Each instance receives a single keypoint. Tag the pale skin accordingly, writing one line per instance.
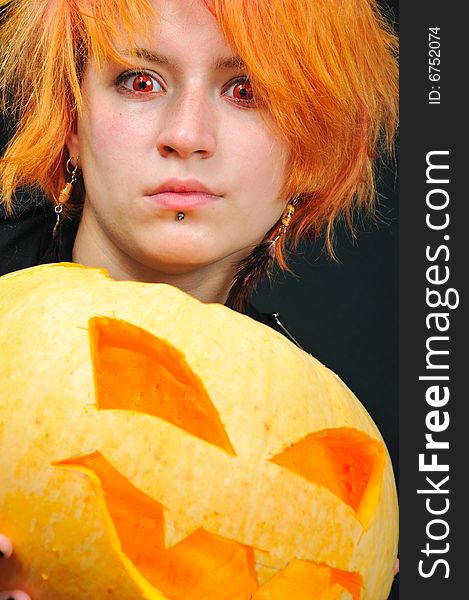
(190, 126)
(195, 119)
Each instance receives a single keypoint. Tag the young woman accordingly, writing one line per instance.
(192, 142)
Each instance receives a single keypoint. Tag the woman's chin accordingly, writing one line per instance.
(186, 253)
(179, 262)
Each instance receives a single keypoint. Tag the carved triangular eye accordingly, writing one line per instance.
(136, 371)
(346, 461)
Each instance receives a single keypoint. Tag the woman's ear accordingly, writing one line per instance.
(72, 141)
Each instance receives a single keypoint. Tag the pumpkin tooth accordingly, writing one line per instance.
(306, 580)
(174, 533)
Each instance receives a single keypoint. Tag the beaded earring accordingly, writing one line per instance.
(258, 263)
(65, 193)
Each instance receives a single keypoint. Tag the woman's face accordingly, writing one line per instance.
(179, 134)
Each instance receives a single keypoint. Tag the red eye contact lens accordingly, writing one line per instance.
(243, 91)
(143, 83)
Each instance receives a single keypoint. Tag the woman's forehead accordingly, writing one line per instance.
(183, 16)
(182, 29)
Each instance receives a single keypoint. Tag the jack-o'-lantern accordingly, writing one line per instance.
(155, 447)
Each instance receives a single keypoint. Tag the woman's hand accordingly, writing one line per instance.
(6, 550)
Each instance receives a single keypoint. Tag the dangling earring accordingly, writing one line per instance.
(286, 219)
(65, 194)
(258, 263)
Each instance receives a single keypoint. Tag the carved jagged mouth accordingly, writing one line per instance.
(136, 371)
(202, 566)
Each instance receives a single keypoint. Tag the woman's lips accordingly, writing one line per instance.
(182, 200)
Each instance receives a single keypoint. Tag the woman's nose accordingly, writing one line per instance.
(188, 127)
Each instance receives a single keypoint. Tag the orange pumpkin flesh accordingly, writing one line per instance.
(194, 474)
(136, 371)
(197, 566)
(201, 564)
(303, 580)
(344, 461)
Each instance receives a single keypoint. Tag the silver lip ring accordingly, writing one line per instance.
(180, 216)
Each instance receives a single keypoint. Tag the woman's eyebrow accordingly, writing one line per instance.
(230, 62)
(222, 63)
(146, 54)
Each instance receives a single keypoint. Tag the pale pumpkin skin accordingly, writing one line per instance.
(269, 395)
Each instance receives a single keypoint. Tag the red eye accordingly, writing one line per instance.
(140, 83)
(143, 83)
(241, 91)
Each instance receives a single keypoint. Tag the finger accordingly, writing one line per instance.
(14, 595)
(396, 567)
(6, 549)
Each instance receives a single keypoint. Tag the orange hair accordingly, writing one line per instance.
(323, 70)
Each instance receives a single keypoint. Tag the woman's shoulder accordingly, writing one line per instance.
(24, 235)
(273, 320)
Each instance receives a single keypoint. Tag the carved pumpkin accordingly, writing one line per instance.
(155, 447)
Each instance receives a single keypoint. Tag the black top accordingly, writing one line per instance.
(26, 240)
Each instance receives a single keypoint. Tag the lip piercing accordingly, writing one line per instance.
(181, 216)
